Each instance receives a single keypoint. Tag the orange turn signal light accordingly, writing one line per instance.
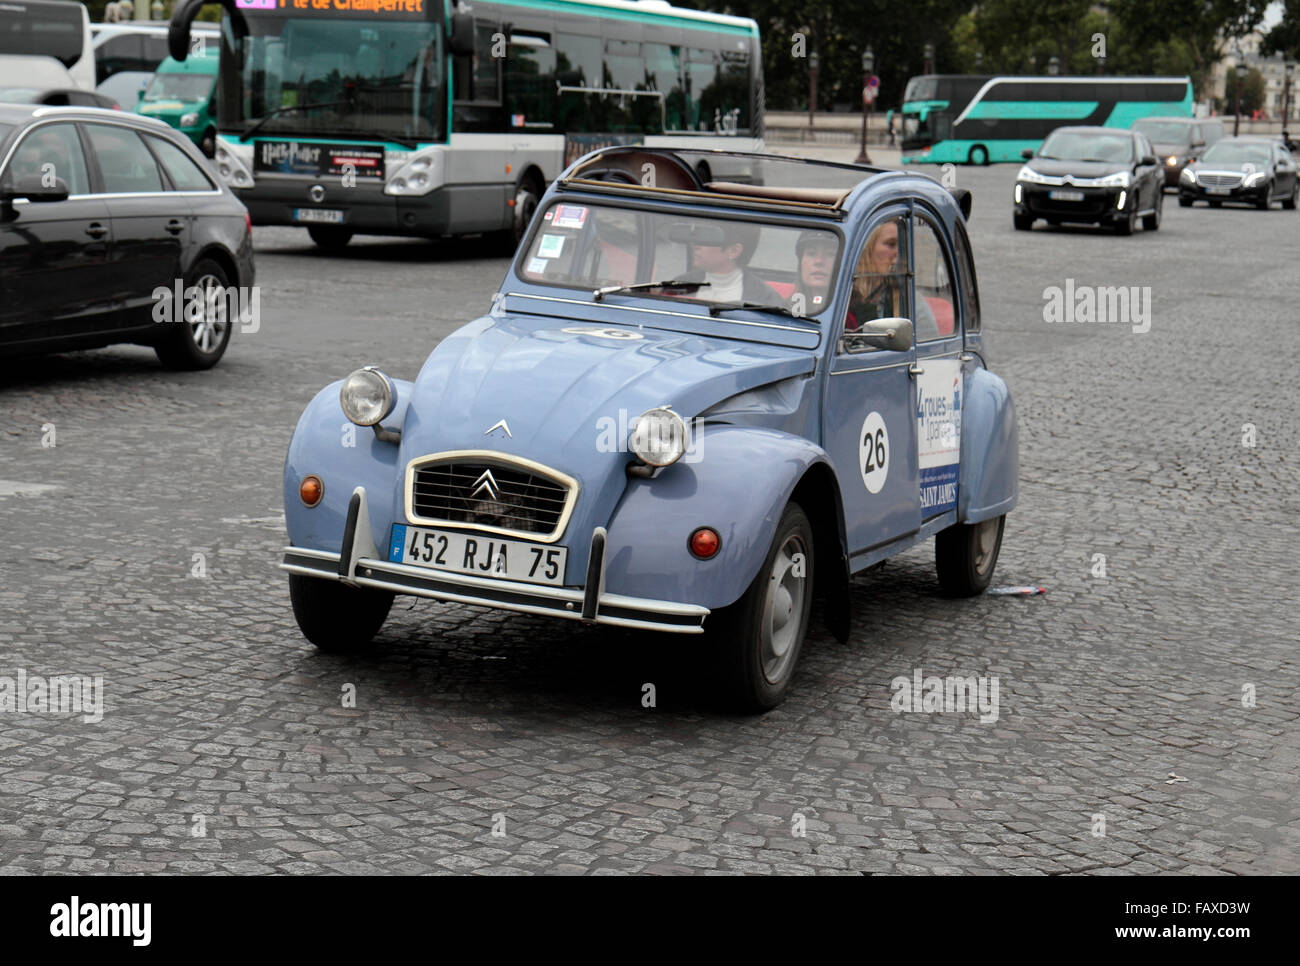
(311, 490)
(705, 543)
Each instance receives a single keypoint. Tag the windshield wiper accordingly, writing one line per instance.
(600, 293)
(717, 307)
(256, 125)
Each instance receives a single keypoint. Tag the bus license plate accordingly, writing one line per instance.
(1065, 195)
(481, 555)
(1218, 191)
(331, 216)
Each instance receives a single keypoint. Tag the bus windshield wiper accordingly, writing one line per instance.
(600, 293)
(717, 307)
(256, 125)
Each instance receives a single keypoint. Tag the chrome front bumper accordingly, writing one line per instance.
(361, 565)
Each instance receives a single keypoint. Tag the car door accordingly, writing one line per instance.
(151, 224)
(868, 426)
(1285, 167)
(54, 256)
(1149, 181)
(940, 383)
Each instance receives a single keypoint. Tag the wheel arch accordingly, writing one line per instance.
(818, 493)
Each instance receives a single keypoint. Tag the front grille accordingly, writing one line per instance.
(1219, 180)
(494, 495)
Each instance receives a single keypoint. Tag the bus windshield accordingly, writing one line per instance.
(340, 77)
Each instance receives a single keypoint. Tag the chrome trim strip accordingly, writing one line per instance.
(892, 365)
(680, 315)
(491, 456)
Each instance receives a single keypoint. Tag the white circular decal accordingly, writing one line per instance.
(873, 452)
(603, 333)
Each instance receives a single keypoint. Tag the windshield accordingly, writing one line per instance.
(348, 76)
(53, 29)
(179, 87)
(1076, 146)
(1226, 152)
(716, 261)
(1165, 132)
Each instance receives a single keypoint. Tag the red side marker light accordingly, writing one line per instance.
(705, 543)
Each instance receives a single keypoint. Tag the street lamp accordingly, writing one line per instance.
(1241, 82)
(813, 60)
(929, 58)
(1288, 71)
(868, 64)
(1033, 63)
(1054, 65)
(979, 61)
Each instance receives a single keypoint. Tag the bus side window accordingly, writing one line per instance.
(701, 73)
(664, 74)
(530, 81)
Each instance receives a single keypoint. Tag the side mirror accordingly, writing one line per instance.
(460, 34)
(893, 333)
(35, 191)
(1148, 159)
(1027, 153)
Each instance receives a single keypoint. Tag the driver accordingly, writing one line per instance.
(723, 267)
(42, 148)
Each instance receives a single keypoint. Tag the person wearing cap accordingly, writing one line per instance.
(815, 253)
(723, 268)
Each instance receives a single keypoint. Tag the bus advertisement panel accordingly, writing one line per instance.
(416, 117)
(969, 119)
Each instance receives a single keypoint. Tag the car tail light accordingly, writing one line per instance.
(705, 543)
(310, 490)
(248, 222)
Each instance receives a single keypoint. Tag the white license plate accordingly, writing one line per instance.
(481, 555)
(1065, 195)
(1218, 191)
(331, 216)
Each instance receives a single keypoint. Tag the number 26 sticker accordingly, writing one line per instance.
(873, 452)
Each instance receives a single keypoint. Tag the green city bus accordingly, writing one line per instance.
(427, 118)
(974, 119)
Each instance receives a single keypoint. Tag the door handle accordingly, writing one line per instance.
(914, 370)
(96, 230)
(965, 357)
(175, 226)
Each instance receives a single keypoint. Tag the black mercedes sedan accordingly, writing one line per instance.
(1091, 175)
(1245, 170)
(113, 229)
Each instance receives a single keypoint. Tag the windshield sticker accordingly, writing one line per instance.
(550, 246)
(570, 216)
(938, 424)
(537, 266)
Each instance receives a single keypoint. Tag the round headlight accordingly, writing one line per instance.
(367, 396)
(659, 437)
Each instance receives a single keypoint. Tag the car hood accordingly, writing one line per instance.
(558, 384)
(1080, 169)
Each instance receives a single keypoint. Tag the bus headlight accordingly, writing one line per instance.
(233, 168)
(418, 175)
(367, 396)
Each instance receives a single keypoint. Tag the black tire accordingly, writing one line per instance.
(526, 201)
(199, 343)
(965, 558)
(753, 669)
(1151, 222)
(1185, 202)
(978, 155)
(330, 238)
(335, 617)
(1023, 222)
(1266, 199)
(1214, 203)
(208, 143)
(1125, 225)
(1290, 203)
(704, 172)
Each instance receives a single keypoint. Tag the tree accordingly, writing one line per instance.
(1252, 92)
(1204, 28)
(1284, 38)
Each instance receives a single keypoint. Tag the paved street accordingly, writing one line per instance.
(148, 556)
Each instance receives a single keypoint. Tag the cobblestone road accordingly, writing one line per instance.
(219, 718)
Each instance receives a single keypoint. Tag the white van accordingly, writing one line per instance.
(50, 28)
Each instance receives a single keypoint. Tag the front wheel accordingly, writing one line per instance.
(335, 617)
(329, 238)
(1124, 226)
(1151, 222)
(1023, 222)
(1265, 199)
(1184, 202)
(978, 155)
(757, 639)
(965, 555)
(198, 336)
(1290, 203)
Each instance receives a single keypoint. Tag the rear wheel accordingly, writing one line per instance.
(978, 155)
(965, 556)
(198, 336)
(335, 617)
(328, 237)
(1151, 222)
(1023, 222)
(757, 640)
